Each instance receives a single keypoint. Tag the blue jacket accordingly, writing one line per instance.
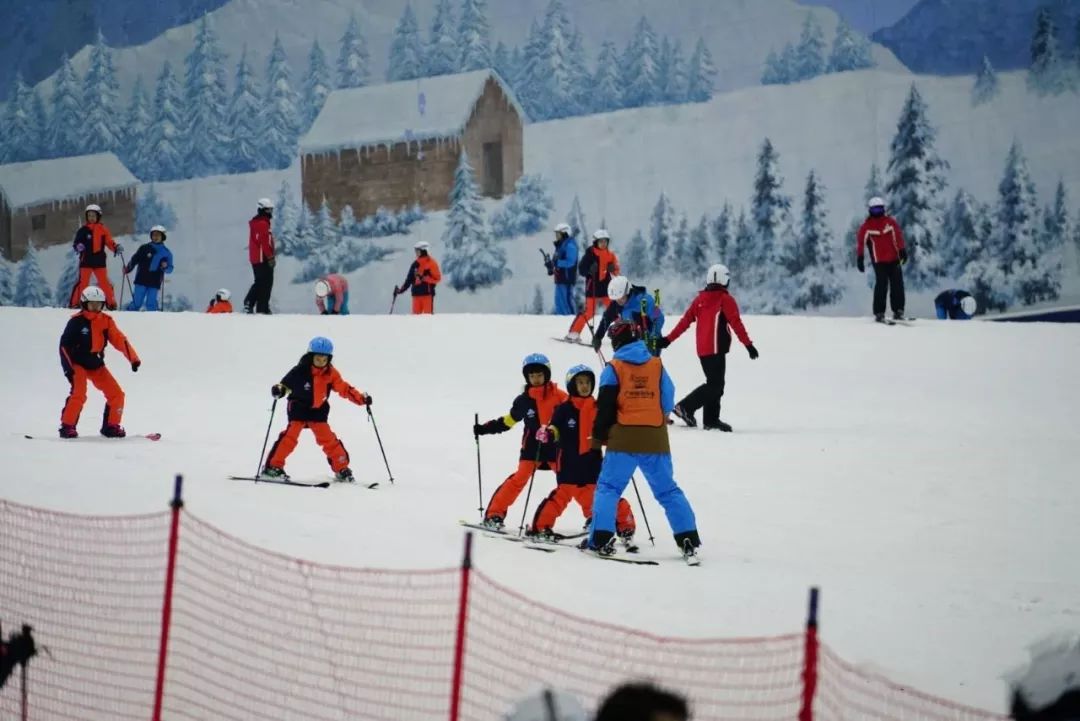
(947, 305)
(148, 259)
(566, 260)
(651, 322)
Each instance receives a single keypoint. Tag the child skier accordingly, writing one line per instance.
(535, 407)
(598, 265)
(635, 304)
(220, 302)
(578, 463)
(153, 260)
(423, 276)
(90, 243)
(332, 294)
(82, 356)
(308, 386)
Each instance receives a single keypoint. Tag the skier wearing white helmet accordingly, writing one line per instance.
(882, 235)
(153, 261)
(262, 256)
(220, 302)
(91, 241)
(423, 276)
(332, 294)
(633, 303)
(955, 304)
(562, 266)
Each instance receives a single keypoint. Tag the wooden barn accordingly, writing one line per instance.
(398, 144)
(42, 201)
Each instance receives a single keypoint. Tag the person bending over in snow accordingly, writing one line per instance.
(153, 261)
(220, 303)
(332, 295)
(955, 305)
(308, 386)
(632, 303)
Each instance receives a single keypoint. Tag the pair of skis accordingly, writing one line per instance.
(303, 484)
(895, 321)
(535, 544)
(103, 439)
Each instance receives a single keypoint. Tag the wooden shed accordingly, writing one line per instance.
(397, 145)
(42, 201)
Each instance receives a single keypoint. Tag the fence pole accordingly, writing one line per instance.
(166, 606)
(810, 660)
(459, 640)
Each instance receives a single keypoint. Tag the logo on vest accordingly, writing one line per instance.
(572, 423)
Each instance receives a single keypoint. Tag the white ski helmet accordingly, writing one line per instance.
(718, 274)
(601, 234)
(158, 229)
(618, 287)
(562, 228)
(93, 207)
(876, 202)
(547, 705)
(223, 294)
(265, 204)
(322, 289)
(422, 245)
(92, 294)
(969, 305)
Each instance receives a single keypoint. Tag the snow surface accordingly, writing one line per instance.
(347, 119)
(923, 476)
(40, 181)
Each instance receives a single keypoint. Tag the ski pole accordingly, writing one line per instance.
(375, 425)
(162, 304)
(642, 507)
(126, 279)
(528, 493)
(479, 475)
(393, 300)
(266, 440)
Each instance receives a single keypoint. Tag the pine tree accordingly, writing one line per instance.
(873, 187)
(31, 290)
(606, 88)
(443, 52)
(66, 284)
(474, 37)
(537, 305)
(661, 234)
(304, 241)
(406, 49)
(636, 262)
(136, 126)
(1046, 73)
(815, 283)
(986, 84)
(1056, 229)
(961, 241)
(161, 153)
(546, 79)
(324, 228)
(741, 249)
(7, 281)
(151, 210)
(23, 135)
(526, 211)
(679, 240)
(472, 259)
(281, 121)
(581, 99)
(770, 208)
(317, 84)
(502, 63)
(205, 99)
(347, 221)
(774, 73)
(671, 72)
(722, 241)
(850, 50)
(639, 67)
(101, 98)
(695, 256)
(576, 220)
(701, 74)
(810, 53)
(244, 120)
(353, 58)
(63, 137)
(286, 216)
(916, 190)
(41, 122)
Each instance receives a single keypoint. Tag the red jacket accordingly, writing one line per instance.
(884, 237)
(260, 240)
(714, 310)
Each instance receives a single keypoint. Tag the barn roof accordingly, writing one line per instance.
(392, 113)
(41, 181)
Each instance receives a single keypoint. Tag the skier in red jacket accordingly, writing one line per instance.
(882, 235)
(262, 258)
(714, 310)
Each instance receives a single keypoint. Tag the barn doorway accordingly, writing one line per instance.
(493, 170)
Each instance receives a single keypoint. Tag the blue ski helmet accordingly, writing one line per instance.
(574, 372)
(536, 362)
(321, 346)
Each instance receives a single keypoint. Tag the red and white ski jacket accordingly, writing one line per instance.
(713, 310)
(883, 236)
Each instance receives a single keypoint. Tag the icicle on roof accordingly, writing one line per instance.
(41, 181)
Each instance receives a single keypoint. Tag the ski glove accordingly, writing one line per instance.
(597, 341)
(752, 351)
(543, 435)
(367, 399)
(860, 264)
(485, 429)
(80, 248)
(662, 342)
(903, 256)
(278, 390)
(135, 366)
(119, 250)
(271, 262)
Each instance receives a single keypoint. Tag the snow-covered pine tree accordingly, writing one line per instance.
(161, 152)
(31, 290)
(7, 281)
(671, 72)
(502, 63)
(575, 218)
(324, 227)
(581, 91)
(961, 241)
(63, 138)
(526, 211)
(443, 53)
(101, 97)
(545, 79)
(244, 119)
(986, 84)
(850, 50)
(353, 58)
(639, 68)
(205, 100)
(1027, 256)
(406, 60)
(606, 81)
(816, 282)
(1056, 218)
(317, 84)
(23, 137)
(41, 121)
(1046, 74)
(773, 73)
(701, 74)
(721, 230)
(695, 255)
(810, 53)
(472, 259)
(474, 38)
(916, 190)
(151, 210)
(636, 262)
(741, 248)
(661, 234)
(176, 303)
(136, 126)
(537, 306)
(281, 118)
(680, 243)
(347, 221)
(286, 215)
(304, 241)
(770, 209)
(68, 279)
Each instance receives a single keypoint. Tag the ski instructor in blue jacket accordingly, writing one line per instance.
(563, 267)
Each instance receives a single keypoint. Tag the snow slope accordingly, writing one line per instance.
(923, 476)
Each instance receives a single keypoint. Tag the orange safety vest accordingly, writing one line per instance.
(639, 393)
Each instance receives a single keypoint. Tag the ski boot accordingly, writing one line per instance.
(344, 476)
(67, 431)
(494, 523)
(879, 317)
(273, 472)
(686, 417)
(689, 553)
(606, 551)
(112, 430)
(572, 337)
(627, 537)
(717, 426)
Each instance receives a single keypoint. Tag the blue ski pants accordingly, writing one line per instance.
(656, 467)
(564, 299)
(141, 293)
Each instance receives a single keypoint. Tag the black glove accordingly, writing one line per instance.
(271, 262)
(397, 291)
(485, 429)
(135, 366)
(367, 399)
(277, 390)
(597, 341)
(752, 351)
(550, 267)
(903, 256)
(119, 250)
(860, 264)
(662, 342)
